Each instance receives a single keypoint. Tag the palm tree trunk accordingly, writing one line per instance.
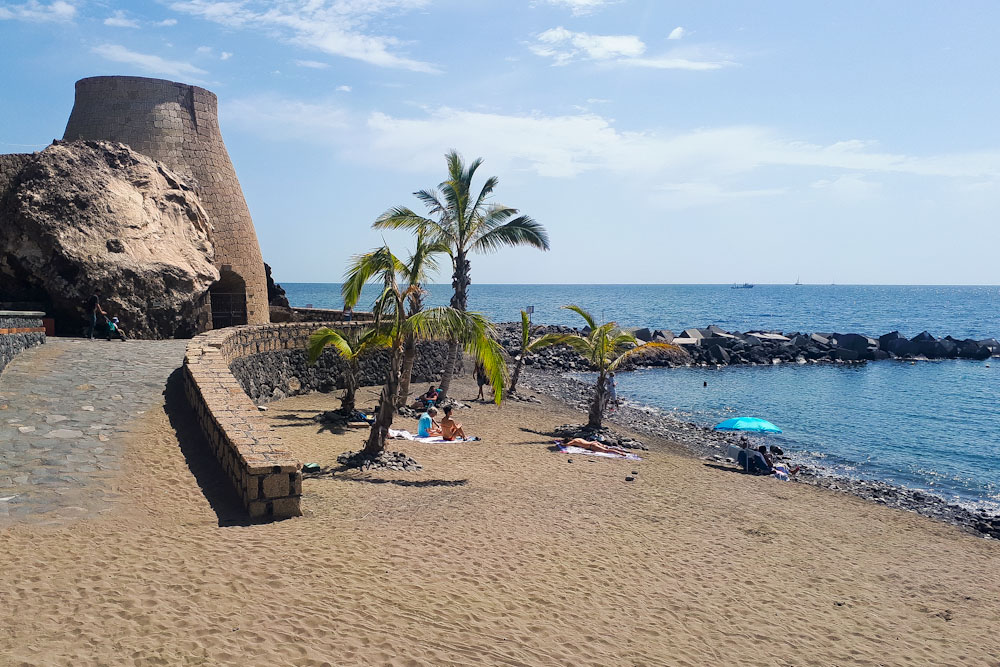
(347, 403)
(386, 409)
(596, 415)
(409, 356)
(460, 281)
(449, 369)
(517, 373)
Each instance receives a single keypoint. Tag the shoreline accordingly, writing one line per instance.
(704, 443)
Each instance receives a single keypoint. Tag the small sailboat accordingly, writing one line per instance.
(798, 281)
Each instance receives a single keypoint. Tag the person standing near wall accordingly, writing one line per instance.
(93, 310)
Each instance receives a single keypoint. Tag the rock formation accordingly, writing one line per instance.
(178, 125)
(92, 214)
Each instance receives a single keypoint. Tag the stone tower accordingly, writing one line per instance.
(178, 125)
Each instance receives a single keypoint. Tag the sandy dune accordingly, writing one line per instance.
(499, 552)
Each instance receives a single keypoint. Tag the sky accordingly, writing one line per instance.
(657, 141)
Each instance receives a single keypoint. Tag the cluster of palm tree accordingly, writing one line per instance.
(605, 347)
(457, 225)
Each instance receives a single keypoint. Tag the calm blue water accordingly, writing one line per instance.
(873, 309)
(933, 426)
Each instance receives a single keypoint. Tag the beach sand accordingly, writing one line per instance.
(498, 552)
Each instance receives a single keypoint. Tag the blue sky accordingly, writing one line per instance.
(658, 141)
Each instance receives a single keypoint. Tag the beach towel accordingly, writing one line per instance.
(588, 452)
(437, 439)
(441, 441)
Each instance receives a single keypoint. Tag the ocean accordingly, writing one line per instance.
(931, 426)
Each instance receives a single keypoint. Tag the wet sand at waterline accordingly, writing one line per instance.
(497, 552)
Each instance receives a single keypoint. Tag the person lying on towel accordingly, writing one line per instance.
(451, 429)
(595, 446)
(427, 427)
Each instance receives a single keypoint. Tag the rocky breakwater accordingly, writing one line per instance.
(715, 346)
(564, 358)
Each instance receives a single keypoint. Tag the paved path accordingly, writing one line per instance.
(64, 407)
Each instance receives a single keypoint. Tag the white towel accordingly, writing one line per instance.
(589, 452)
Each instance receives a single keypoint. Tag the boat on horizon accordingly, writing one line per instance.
(743, 286)
(798, 281)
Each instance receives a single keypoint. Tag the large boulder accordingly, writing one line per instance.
(642, 333)
(92, 215)
(855, 342)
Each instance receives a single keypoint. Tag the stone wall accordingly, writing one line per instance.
(178, 125)
(229, 371)
(19, 330)
(274, 374)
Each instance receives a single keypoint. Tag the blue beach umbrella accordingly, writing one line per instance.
(747, 424)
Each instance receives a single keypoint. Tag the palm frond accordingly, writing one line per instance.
(638, 350)
(323, 337)
(546, 341)
(584, 314)
(521, 231)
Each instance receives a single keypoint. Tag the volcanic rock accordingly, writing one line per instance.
(89, 215)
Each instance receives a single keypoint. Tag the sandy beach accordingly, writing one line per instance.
(497, 552)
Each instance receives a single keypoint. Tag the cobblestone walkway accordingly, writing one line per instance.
(64, 407)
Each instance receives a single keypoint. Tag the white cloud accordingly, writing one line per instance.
(565, 46)
(336, 28)
(166, 23)
(582, 7)
(343, 89)
(849, 187)
(147, 62)
(119, 20)
(225, 55)
(312, 64)
(682, 168)
(39, 12)
(203, 50)
(677, 33)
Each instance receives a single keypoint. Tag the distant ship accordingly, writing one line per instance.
(797, 281)
(743, 286)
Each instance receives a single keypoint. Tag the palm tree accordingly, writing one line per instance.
(422, 262)
(529, 346)
(606, 347)
(347, 351)
(471, 330)
(466, 224)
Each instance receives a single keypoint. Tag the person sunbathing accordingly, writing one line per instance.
(427, 427)
(595, 446)
(450, 429)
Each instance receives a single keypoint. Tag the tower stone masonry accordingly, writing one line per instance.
(178, 125)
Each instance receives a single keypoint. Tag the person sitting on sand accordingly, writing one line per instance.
(428, 398)
(427, 427)
(595, 446)
(450, 429)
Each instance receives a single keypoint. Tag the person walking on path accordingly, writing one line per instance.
(93, 310)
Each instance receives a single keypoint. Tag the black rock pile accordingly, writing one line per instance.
(385, 460)
(715, 346)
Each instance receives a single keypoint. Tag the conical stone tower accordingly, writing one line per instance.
(178, 125)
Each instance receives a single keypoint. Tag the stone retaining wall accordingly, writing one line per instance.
(228, 371)
(271, 375)
(19, 330)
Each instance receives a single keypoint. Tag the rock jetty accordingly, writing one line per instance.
(713, 345)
